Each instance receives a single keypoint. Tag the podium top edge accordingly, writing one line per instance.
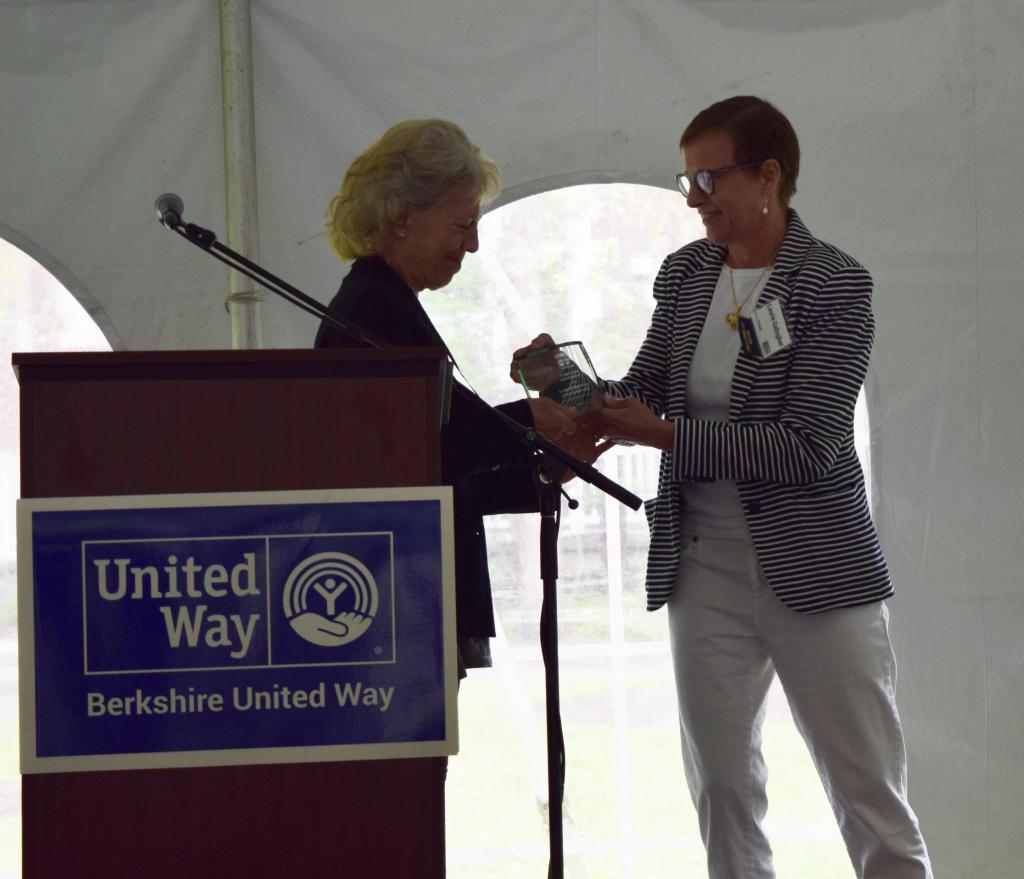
(99, 362)
(288, 355)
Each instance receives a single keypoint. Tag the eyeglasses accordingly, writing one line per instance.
(705, 179)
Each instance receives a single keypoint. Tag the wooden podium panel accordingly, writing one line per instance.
(173, 422)
(160, 422)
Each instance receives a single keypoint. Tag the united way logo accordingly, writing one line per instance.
(330, 599)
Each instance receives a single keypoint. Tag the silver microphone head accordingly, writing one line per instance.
(169, 208)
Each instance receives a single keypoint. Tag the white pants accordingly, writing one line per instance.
(730, 635)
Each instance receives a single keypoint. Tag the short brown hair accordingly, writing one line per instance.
(759, 131)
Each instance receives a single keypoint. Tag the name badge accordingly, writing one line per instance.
(765, 333)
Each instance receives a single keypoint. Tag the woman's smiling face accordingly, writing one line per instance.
(431, 243)
(732, 213)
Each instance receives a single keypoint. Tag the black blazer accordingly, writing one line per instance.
(487, 465)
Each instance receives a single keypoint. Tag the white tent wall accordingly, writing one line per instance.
(909, 114)
(104, 106)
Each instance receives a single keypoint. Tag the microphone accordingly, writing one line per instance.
(169, 208)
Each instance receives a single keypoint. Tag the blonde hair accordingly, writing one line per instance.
(413, 166)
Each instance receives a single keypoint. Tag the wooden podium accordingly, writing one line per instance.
(175, 422)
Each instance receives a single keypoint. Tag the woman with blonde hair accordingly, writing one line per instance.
(406, 215)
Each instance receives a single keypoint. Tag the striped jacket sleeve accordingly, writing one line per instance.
(650, 377)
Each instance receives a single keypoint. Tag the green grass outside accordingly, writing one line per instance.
(10, 789)
(495, 826)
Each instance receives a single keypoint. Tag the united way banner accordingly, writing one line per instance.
(216, 629)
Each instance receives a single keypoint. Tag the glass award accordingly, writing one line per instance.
(562, 373)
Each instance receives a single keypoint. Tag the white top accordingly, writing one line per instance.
(713, 509)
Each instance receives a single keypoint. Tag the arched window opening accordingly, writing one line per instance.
(579, 263)
(36, 314)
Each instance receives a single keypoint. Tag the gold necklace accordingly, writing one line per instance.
(733, 317)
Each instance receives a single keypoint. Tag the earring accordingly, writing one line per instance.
(764, 210)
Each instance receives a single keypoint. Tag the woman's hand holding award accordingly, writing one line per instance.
(560, 372)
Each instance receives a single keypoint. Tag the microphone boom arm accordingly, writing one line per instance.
(207, 240)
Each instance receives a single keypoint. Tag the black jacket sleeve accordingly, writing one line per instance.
(475, 440)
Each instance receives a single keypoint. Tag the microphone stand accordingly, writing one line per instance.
(549, 492)
(206, 240)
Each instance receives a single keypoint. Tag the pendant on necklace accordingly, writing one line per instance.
(733, 319)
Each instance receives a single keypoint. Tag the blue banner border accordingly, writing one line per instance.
(31, 762)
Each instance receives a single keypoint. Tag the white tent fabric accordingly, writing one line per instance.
(910, 116)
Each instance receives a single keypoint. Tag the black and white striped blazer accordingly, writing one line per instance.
(788, 442)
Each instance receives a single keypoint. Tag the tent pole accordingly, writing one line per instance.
(243, 301)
